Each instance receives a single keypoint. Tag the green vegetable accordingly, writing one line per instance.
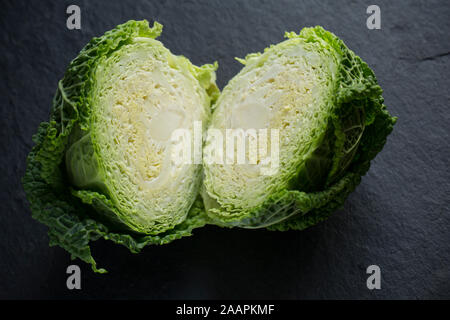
(102, 167)
(107, 145)
(328, 108)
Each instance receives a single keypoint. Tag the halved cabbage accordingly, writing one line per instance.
(108, 144)
(321, 98)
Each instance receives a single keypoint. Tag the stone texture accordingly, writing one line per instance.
(398, 218)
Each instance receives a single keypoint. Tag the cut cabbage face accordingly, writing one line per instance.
(319, 96)
(285, 89)
(121, 161)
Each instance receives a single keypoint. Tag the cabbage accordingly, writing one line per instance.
(103, 166)
(107, 145)
(328, 109)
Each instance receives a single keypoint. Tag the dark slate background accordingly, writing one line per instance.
(398, 218)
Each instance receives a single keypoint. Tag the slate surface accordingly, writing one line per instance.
(398, 218)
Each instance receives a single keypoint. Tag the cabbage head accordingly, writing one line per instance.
(101, 167)
(328, 109)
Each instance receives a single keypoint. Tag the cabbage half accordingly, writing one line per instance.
(108, 143)
(327, 107)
